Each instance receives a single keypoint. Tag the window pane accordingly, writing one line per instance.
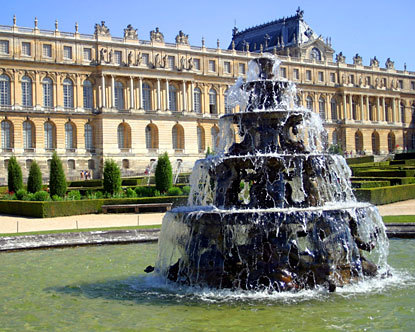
(67, 52)
(47, 93)
(69, 136)
(26, 91)
(47, 50)
(6, 135)
(88, 137)
(67, 93)
(146, 97)
(26, 49)
(119, 96)
(197, 101)
(4, 47)
(87, 95)
(4, 90)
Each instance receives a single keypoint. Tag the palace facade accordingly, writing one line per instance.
(92, 97)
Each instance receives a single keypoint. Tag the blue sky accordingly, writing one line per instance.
(383, 28)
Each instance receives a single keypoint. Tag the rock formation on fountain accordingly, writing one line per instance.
(271, 210)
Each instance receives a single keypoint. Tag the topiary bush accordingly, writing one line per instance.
(112, 177)
(14, 175)
(174, 191)
(34, 182)
(57, 179)
(164, 174)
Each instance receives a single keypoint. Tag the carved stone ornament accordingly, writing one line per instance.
(182, 38)
(130, 33)
(389, 63)
(374, 62)
(156, 36)
(340, 58)
(357, 59)
(102, 30)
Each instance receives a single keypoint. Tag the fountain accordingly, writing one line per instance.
(272, 210)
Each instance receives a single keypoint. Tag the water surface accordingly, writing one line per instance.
(104, 288)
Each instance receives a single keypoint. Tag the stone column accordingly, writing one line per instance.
(158, 95)
(103, 101)
(167, 95)
(112, 91)
(184, 96)
(131, 93)
(140, 93)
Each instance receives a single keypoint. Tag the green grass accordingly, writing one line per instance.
(398, 219)
(81, 230)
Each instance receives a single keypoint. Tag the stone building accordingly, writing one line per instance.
(92, 97)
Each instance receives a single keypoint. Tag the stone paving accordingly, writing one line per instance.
(16, 224)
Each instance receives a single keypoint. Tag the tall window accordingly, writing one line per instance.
(200, 139)
(375, 143)
(67, 93)
(6, 135)
(358, 140)
(402, 112)
(124, 135)
(213, 109)
(69, 136)
(47, 92)
(28, 135)
(49, 135)
(178, 137)
(309, 103)
(228, 109)
(119, 95)
(4, 90)
(387, 118)
(172, 98)
(391, 142)
(87, 54)
(88, 133)
(227, 67)
(333, 105)
(26, 91)
(146, 96)
(354, 110)
(118, 57)
(197, 96)
(322, 108)
(88, 99)
(413, 112)
(215, 138)
(170, 61)
(371, 117)
(151, 137)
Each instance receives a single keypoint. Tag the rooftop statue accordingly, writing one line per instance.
(156, 36)
(130, 33)
(102, 30)
(182, 38)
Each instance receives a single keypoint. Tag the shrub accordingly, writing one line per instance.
(112, 177)
(57, 198)
(145, 191)
(57, 179)
(186, 190)
(174, 191)
(74, 195)
(41, 196)
(21, 195)
(34, 182)
(335, 149)
(130, 193)
(164, 174)
(14, 175)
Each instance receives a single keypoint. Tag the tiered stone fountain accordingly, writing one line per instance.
(272, 210)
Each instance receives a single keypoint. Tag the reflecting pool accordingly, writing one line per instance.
(105, 288)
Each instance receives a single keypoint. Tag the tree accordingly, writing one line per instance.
(57, 179)
(34, 182)
(112, 177)
(14, 175)
(164, 173)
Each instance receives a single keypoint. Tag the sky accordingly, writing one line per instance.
(381, 28)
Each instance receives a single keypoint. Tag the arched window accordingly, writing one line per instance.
(50, 135)
(375, 143)
(322, 108)
(26, 91)
(315, 54)
(89, 137)
(403, 112)
(172, 98)
(358, 140)
(70, 142)
(119, 96)
(200, 139)
(152, 140)
(6, 135)
(213, 109)
(47, 92)
(215, 138)
(391, 142)
(28, 135)
(88, 97)
(146, 104)
(4, 90)
(333, 105)
(309, 103)
(178, 137)
(197, 100)
(67, 93)
(124, 136)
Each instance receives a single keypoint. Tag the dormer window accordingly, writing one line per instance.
(315, 54)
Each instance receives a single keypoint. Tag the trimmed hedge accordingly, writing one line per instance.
(404, 156)
(393, 180)
(386, 195)
(370, 184)
(384, 173)
(360, 160)
(85, 183)
(51, 209)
